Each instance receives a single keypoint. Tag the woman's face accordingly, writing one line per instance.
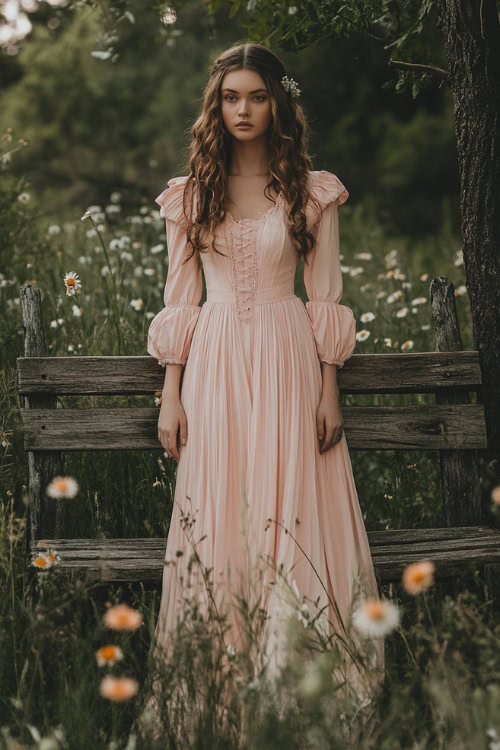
(245, 97)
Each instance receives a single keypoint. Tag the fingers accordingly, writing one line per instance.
(332, 437)
(168, 439)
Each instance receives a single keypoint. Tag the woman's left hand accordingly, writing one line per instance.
(329, 422)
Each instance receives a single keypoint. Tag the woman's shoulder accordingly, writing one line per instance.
(327, 187)
(171, 200)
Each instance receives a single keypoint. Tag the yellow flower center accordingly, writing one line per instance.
(375, 610)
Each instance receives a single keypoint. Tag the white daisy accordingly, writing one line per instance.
(62, 487)
(376, 618)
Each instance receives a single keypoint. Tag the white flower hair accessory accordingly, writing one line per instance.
(290, 85)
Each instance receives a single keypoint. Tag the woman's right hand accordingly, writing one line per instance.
(172, 417)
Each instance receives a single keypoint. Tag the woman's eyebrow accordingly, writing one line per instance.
(233, 91)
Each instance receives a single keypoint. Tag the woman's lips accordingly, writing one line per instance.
(244, 126)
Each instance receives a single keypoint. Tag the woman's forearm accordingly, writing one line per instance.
(171, 386)
(329, 375)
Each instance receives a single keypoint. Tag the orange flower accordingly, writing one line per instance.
(123, 617)
(61, 487)
(118, 688)
(376, 618)
(108, 655)
(42, 562)
(418, 576)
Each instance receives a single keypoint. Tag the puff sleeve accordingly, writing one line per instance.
(171, 330)
(333, 324)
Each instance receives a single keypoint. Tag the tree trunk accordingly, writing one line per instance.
(471, 37)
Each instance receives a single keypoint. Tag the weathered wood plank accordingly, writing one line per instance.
(142, 560)
(419, 372)
(419, 427)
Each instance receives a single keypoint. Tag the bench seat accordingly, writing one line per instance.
(453, 550)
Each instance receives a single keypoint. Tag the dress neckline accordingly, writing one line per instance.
(256, 220)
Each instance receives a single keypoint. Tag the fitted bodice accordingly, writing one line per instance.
(259, 261)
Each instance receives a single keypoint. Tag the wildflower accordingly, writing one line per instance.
(419, 300)
(375, 618)
(137, 304)
(77, 311)
(402, 312)
(53, 556)
(108, 655)
(459, 258)
(388, 342)
(42, 562)
(149, 272)
(54, 229)
(460, 291)
(23, 197)
(231, 651)
(304, 615)
(363, 256)
(123, 617)
(72, 283)
(366, 317)
(156, 249)
(118, 688)
(115, 197)
(356, 271)
(492, 735)
(495, 494)
(61, 487)
(418, 576)
(362, 335)
(394, 296)
(391, 258)
(407, 345)
(126, 255)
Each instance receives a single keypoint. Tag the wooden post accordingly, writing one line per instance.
(46, 515)
(460, 487)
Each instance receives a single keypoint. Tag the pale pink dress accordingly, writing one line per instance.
(251, 386)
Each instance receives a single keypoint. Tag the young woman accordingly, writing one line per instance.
(256, 426)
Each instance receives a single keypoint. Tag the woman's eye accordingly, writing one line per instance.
(259, 96)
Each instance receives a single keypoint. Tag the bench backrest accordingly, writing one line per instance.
(451, 424)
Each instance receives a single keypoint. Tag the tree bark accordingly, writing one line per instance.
(471, 38)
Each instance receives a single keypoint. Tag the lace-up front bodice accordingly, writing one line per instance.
(255, 265)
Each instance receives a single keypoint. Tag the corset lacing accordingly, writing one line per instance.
(244, 266)
(244, 259)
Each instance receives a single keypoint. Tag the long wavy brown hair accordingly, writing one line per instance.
(206, 189)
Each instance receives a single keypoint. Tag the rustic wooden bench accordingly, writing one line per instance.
(453, 425)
